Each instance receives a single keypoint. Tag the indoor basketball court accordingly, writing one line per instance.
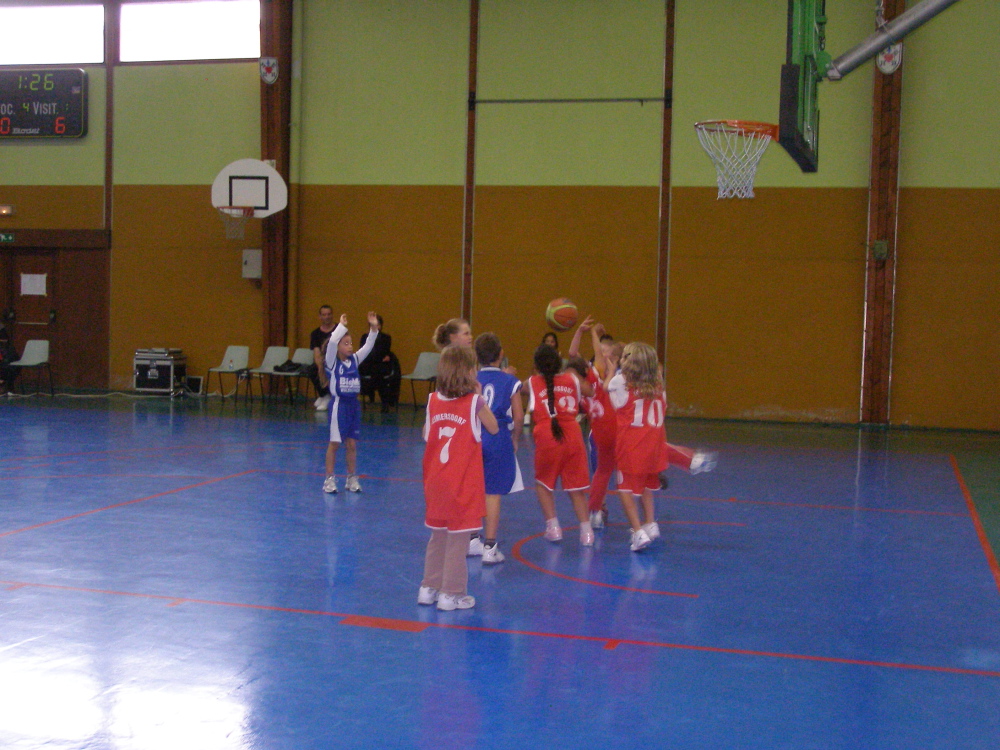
(819, 290)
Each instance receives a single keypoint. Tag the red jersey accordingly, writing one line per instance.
(641, 444)
(566, 402)
(603, 421)
(454, 486)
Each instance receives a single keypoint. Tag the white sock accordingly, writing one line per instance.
(585, 528)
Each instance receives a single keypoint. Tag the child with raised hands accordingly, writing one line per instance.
(345, 410)
(554, 401)
(600, 414)
(453, 477)
(637, 394)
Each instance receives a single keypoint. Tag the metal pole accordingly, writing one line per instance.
(893, 31)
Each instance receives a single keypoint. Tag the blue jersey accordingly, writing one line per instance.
(498, 390)
(345, 380)
(503, 475)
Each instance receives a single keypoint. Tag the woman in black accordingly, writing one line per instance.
(380, 371)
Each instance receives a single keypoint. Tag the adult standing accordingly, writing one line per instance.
(316, 372)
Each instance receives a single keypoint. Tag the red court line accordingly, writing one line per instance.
(814, 506)
(155, 452)
(127, 502)
(611, 644)
(99, 476)
(606, 643)
(516, 552)
(172, 601)
(984, 541)
(385, 623)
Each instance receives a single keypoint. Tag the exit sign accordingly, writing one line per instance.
(6, 236)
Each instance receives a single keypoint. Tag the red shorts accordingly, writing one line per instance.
(566, 460)
(637, 483)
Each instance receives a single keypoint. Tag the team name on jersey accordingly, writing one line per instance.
(350, 385)
(565, 389)
(448, 417)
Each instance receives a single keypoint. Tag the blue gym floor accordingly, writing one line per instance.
(172, 576)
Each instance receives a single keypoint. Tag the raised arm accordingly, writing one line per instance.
(574, 346)
(600, 364)
(331, 348)
(365, 350)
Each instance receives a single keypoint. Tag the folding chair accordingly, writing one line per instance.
(35, 357)
(426, 371)
(234, 361)
(303, 358)
(275, 355)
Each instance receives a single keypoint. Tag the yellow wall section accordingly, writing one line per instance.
(384, 92)
(181, 124)
(766, 304)
(178, 285)
(61, 161)
(950, 89)
(560, 50)
(595, 245)
(392, 249)
(727, 65)
(53, 207)
(946, 349)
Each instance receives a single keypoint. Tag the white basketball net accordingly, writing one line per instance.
(235, 219)
(735, 148)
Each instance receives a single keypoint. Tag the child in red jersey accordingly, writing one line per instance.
(600, 414)
(641, 444)
(554, 401)
(454, 486)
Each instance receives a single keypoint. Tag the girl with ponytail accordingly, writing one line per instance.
(554, 402)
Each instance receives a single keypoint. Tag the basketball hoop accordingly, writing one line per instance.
(235, 219)
(735, 148)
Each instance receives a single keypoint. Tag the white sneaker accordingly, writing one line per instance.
(476, 547)
(597, 519)
(322, 403)
(586, 537)
(330, 485)
(652, 530)
(553, 531)
(352, 484)
(640, 540)
(448, 602)
(427, 595)
(703, 461)
(492, 555)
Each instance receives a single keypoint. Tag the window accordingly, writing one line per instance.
(197, 30)
(52, 35)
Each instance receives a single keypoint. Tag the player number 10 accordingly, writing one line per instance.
(654, 416)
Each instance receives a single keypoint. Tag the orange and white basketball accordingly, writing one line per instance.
(561, 314)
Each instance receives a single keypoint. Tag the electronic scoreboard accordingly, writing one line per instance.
(43, 103)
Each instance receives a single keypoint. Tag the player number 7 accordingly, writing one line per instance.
(448, 432)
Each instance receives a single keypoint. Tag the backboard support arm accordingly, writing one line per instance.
(893, 31)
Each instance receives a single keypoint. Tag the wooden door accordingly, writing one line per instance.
(32, 297)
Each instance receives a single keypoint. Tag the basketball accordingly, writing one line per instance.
(561, 314)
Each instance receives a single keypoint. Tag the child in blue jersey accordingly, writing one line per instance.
(503, 476)
(345, 409)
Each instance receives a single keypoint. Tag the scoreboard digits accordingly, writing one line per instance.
(43, 103)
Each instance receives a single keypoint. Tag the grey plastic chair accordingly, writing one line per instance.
(274, 355)
(303, 358)
(35, 357)
(234, 361)
(425, 371)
